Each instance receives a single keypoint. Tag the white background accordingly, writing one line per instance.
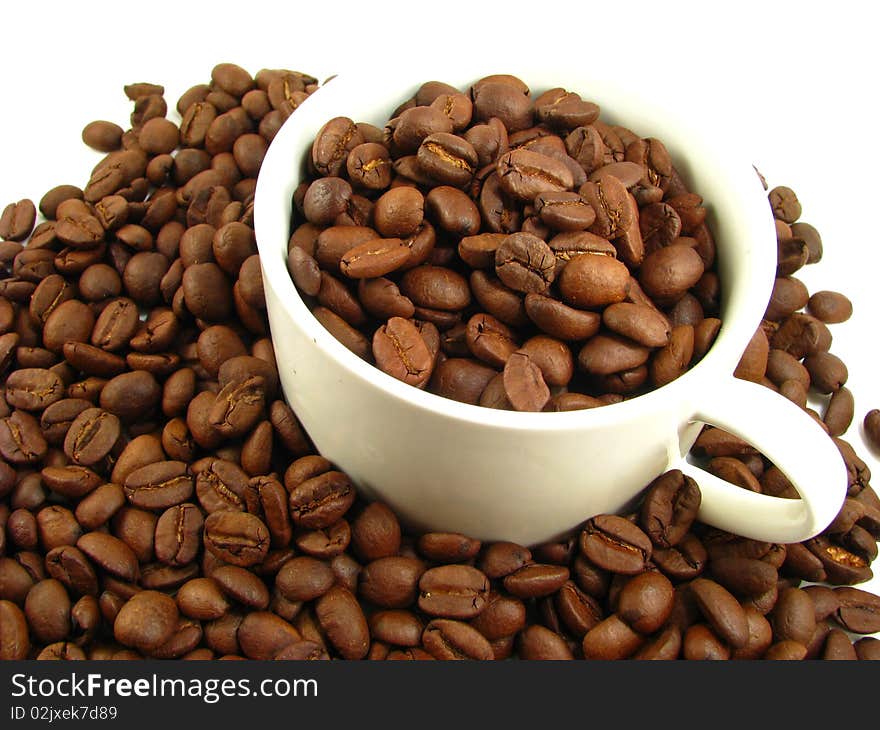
(796, 82)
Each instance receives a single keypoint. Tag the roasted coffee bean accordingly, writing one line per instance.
(536, 580)
(146, 621)
(91, 436)
(524, 383)
(669, 508)
(159, 485)
(17, 220)
(342, 620)
(593, 281)
(304, 578)
(375, 532)
(178, 534)
(784, 204)
(525, 263)
(397, 627)
(666, 646)
(608, 354)
(236, 537)
(242, 586)
(446, 639)
(202, 599)
(71, 567)
(701, 643)
(319, 502)
(828, 373)
(391, 582)
(400, 351)
(611, 639)
(722, 611)
(110, 554)
(453, 591)
(447, 158)
(614, 543)
(645, 602)
(524, 174)
(669, 272)
(21, 441)
(859, 610)
(868, 648)
(99, 506)
(14, 635)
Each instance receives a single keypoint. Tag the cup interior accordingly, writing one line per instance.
(705, 150)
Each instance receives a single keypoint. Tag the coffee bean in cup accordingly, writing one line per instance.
(517, 219)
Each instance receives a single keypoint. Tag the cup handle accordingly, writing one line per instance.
(794, 442)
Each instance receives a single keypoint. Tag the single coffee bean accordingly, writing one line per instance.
(391, 582)
(871, 425)
(503, 616)
(99, 506)
(524, 383)
(830, 307)
(722, 611)
(375, 532)
(525, 263)
(608, 354)
(453, 591)
(701, 643)
(70, 566)
(91, 436)
(638, 322)
(784, 204)
(17, 220)
(536, 580)
(159, 485)
(669, 508)
(447, 639)
(342, 620)
(868, 648)
(304, 579)
(666, 646)
(319, 502)
(666, 274)
(236, 537)
(615, 544)
(242, 586)
(146, 621)
(202, 599)
(593, 281)
(178, 534)
(839, 412)
(461, 379)
(611, 639)
(645, 602)
(828, 373)
(401, 352)
(859, 610)
(524, 174)
(447, 158)
(110, 554)
(47, 609)
(14, 635)
(503, 558)
(397, 627)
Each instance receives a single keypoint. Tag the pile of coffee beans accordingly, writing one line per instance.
(158, 498)
(507, 251)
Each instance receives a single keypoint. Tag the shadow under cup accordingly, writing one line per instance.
(500, 475)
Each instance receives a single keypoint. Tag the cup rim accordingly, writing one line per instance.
(280, 174)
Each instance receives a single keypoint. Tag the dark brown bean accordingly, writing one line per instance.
(453, 591)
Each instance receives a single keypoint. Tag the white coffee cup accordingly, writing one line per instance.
(530, 477)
